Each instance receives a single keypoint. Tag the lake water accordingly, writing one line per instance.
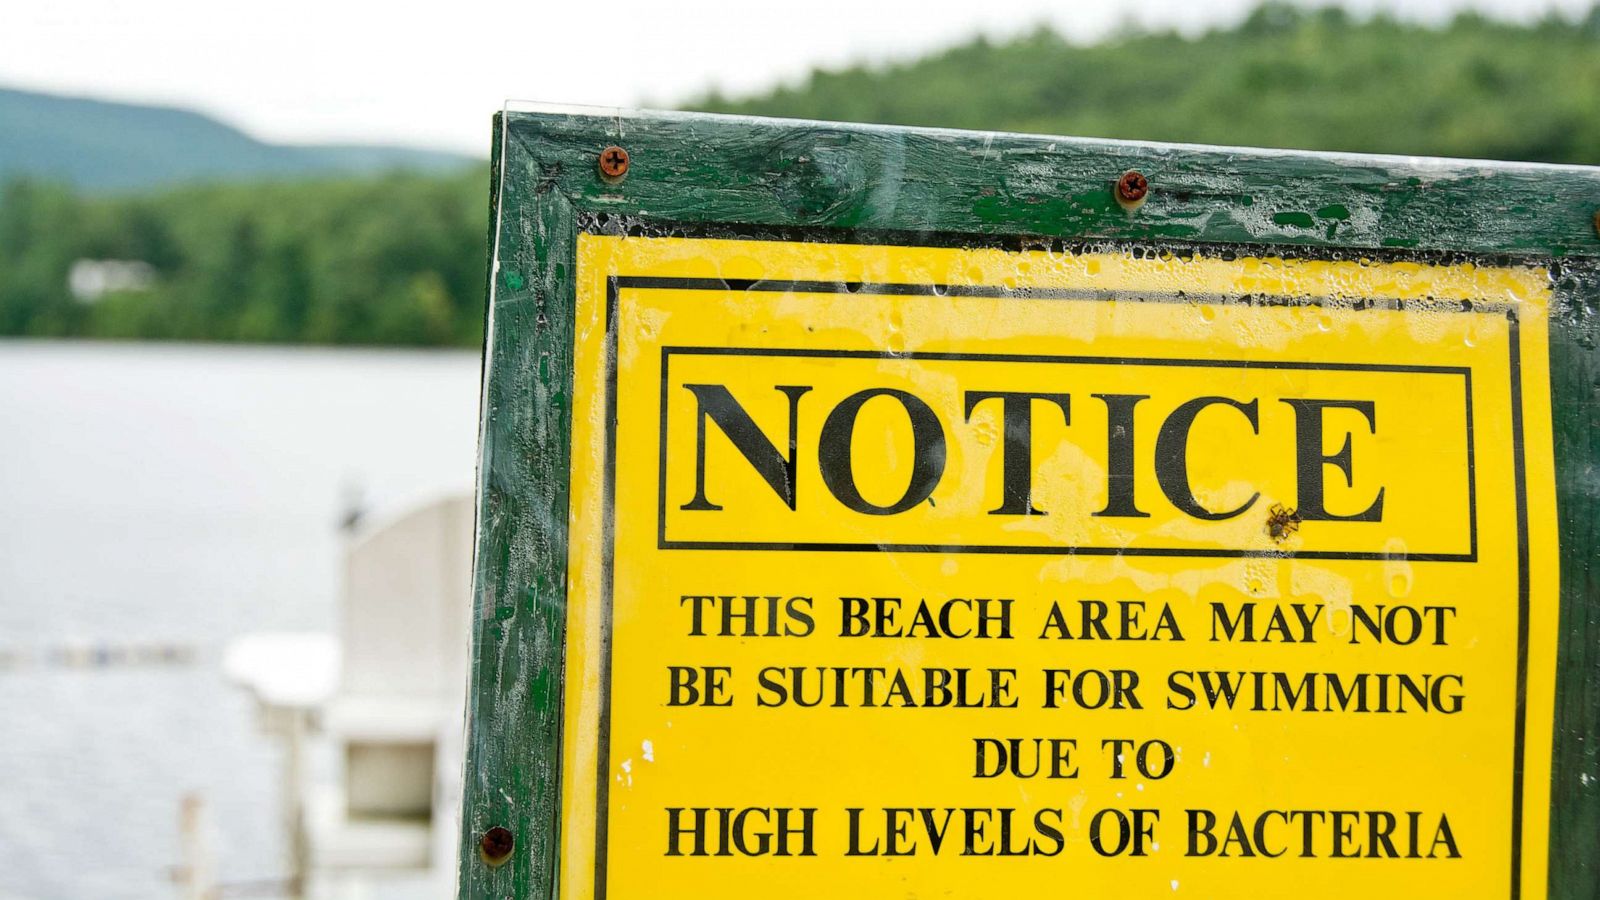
(180, 495)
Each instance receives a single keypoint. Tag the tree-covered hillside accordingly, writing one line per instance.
(399, 260)
(1289, 78)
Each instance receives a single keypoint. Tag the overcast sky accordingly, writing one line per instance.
(431, 74)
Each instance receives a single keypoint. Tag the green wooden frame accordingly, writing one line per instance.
(702, 172)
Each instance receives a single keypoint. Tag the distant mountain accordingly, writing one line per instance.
(96, 144)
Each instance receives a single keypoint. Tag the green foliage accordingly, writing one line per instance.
(392, 260)
(399, 259)
(1288, 77)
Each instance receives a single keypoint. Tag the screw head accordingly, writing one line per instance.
(496, 845)
(1132, 187)
(613, 162)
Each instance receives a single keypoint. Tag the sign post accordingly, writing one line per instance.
(879, 512)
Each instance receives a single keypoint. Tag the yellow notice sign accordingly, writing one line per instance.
(982, 573)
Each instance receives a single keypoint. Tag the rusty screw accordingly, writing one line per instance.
(613, 162)
(1132, 188)
(496, 845)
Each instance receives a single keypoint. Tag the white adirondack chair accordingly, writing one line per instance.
(386, 697)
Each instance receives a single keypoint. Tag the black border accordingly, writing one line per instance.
(736, 232)
(663, 543)
(1519, 467)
